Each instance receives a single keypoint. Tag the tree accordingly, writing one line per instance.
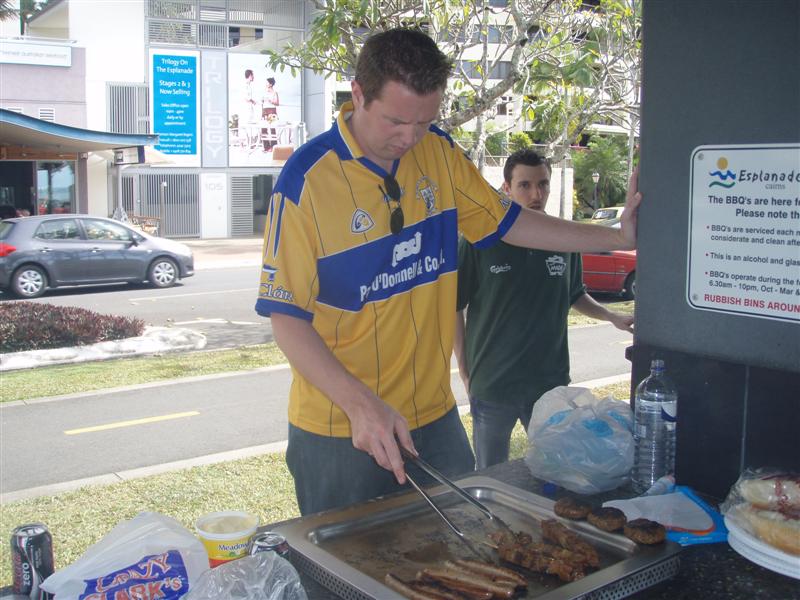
(593, 78)
(606, 156)
(519, 141)
(7, 10)
(539, 45)
(27, 9)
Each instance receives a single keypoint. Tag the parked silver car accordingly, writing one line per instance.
(41, 252)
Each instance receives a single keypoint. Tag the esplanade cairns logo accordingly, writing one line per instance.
(723, 174)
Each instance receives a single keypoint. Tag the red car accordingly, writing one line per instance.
(613, 272)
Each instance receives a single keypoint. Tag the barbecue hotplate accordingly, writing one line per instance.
(349, 551)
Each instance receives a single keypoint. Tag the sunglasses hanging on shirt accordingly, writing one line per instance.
(392, 191)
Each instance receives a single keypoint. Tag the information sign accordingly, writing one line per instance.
(132, 155)
(175, 107)
(744, 230)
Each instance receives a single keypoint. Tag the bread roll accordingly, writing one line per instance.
(777, 529)
(777, 492)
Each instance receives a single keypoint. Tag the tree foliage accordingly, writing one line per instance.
(593, 78)
(572, 65)
(7, 10)
(606, 156)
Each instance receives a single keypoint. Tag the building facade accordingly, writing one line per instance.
(191, 72)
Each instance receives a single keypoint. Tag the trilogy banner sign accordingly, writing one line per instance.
(174, 103)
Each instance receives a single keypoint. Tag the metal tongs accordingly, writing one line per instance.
(466, 496)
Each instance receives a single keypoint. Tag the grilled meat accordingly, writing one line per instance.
(414, 592)
(459, 577)
(492, 571)
(460, 580)
(555, 532)
(645, 531)
(540, 557)
(607, 518)
(563, 554)
(570, 508)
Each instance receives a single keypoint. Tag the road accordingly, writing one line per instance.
(217, 302)
(126, 429)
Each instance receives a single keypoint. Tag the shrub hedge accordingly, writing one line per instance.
(35, 326)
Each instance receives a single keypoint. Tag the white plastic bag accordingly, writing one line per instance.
(580, 442)
(263, 576)
(150, 556)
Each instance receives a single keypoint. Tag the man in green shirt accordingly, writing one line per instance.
(515, 347)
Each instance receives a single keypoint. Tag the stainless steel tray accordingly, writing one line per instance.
(349, 551)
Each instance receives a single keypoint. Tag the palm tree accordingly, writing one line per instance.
(7, 10)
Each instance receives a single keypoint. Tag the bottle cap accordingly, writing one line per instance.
(549, 489)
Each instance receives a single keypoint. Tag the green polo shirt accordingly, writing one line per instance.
(517, 303)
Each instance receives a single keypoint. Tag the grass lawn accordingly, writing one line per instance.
(58, 380)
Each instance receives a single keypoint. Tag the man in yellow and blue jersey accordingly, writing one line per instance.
(359, 276)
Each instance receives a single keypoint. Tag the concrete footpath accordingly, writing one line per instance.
(221, 253)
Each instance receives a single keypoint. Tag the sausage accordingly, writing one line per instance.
(474, 573)
(471, 593)
(471, 579)
(401, 587)
(451, 593)
(494, 572)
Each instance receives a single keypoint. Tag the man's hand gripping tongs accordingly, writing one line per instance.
(424, 466)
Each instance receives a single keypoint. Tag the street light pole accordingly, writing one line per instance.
(162, 211)
(595, 179)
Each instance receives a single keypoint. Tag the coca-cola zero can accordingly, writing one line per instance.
(32, 559)
(267, 541)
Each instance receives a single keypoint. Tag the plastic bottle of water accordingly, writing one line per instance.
(654, 429)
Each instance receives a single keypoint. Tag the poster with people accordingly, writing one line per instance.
(264, 112)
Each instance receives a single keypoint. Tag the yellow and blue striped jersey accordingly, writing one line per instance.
(384, 304)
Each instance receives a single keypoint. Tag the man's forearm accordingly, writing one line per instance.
(588, 306)
(459, 342)
(534, 229)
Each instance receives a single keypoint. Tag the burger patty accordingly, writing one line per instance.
(645, 531)
(607, 519)
(570, 508)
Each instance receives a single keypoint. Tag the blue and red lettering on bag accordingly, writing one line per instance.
(159, 576)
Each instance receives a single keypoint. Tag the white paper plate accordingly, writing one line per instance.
(760, 552)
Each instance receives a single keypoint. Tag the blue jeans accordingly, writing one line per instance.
(492, 424)
(330, 473)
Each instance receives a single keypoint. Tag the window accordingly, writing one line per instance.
(505, 107)
(128, 107)
(589, 5)
(55, 187)
(61, 229)
(103, 230)
(473, 69)
(500, 34)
